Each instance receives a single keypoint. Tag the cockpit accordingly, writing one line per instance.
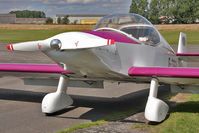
(132, 25)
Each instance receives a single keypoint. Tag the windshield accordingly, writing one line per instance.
(117, 20)
(143, 33)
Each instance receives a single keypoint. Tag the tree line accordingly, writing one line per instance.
(29, 14)
(39, 14)
(174, 11)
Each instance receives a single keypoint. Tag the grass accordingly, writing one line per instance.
(82, 126)
(173, 36)
(183, 119)
(14, 36)
(139, 126)
(103, 121)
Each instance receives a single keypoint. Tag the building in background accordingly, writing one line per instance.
(31, 20)
(80, 19)
(7, 18)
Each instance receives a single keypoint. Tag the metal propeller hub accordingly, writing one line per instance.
(55, 44)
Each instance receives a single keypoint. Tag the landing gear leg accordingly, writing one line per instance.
(156, 109)
(58, 100)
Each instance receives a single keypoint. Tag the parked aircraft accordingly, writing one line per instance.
(121, 47)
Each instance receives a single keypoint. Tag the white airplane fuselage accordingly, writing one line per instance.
(113, 61)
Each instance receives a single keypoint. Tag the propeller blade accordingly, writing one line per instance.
(29, 46)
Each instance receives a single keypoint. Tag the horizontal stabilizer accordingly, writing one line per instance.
(188, 57)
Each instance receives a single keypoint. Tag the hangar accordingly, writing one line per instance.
(7, 18)
(80, 18)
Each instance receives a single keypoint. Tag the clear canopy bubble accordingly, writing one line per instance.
(133, 26)
(118, 20)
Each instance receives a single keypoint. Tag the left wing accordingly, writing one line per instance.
(40, 68)
(173, 75)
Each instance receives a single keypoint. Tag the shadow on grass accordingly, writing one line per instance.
(188, 107)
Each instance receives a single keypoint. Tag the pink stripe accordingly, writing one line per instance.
(111, 35)
(164, 72)
(33, 68)
(187, 54)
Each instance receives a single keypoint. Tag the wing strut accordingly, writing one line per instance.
(58, 100)
(156, 109)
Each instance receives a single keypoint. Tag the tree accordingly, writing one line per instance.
(185, 11)
(59, 20)
(166, 6)
(154, 11)
(65, 20)
(49, 20)
(75, 22)
(140, 7)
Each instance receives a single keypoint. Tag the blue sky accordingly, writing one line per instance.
(52, 7)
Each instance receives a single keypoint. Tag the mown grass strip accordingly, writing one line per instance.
(183, 119)
(116, 116)
(82, 126)
(14, 36)
(172, 37)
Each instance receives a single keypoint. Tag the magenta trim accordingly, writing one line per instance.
(187, 54)
(111, 35)
(33, 68)
(164, 72)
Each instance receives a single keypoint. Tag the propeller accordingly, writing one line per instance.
(64, 41)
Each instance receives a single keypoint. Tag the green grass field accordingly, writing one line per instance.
(183, 119)
(173, 36)
(13, 36)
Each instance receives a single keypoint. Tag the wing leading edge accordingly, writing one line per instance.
(40, 68)
(164, 72)
(176, 76)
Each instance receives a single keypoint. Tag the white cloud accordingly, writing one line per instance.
(52, 7)
(66, 1)
(80, 1)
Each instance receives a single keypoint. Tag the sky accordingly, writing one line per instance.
(52, 7)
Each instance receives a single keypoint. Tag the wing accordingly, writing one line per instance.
(168, 75)
(189, 57)
(40, 68)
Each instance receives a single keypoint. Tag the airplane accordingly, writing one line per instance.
(120, 48)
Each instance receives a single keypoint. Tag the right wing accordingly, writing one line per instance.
(36, 68)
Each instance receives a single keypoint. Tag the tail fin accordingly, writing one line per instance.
(182, 47)
(182, 44)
